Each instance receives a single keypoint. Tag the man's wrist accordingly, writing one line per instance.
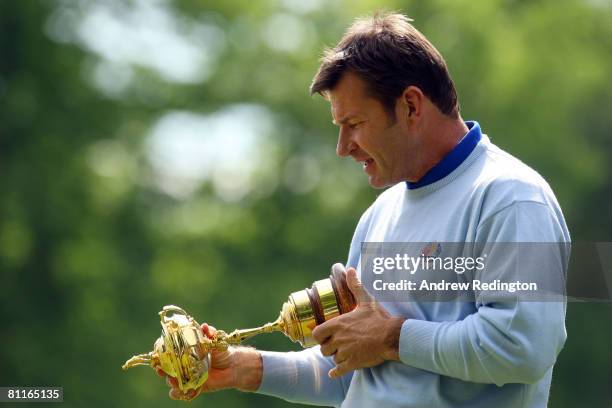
(248, 366)
(391, 338)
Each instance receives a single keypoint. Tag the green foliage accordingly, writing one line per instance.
(94, 240)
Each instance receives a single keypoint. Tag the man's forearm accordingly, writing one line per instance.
(301, 376)
(248, 369)
(484, 347)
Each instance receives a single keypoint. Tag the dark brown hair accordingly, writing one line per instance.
(389, 54)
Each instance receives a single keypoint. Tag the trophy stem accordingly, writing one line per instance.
(238, 336)
(141, 359)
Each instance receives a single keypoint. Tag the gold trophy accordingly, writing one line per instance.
(182, 351)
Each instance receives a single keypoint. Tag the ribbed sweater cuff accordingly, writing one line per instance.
(416, 343)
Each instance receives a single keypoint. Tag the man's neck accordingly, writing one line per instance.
(441, 137)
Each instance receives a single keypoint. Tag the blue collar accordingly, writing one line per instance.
(453, 159)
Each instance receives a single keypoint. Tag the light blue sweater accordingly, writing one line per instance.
(453, 354)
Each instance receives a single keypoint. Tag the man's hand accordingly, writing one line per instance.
(364, 337)
(238, 367)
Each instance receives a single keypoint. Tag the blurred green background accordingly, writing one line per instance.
(167, 152)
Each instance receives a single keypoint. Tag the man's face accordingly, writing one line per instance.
(369, 134)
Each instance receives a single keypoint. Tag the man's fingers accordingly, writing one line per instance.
(209, 331)
(339, 370)
(328, 348)
(171, 381)
(323, 331)
(360, 293)
(339, 358)
(176, 394)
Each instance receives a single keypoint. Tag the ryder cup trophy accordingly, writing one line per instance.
(183, 351)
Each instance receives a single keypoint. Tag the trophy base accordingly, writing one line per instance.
(308, 308)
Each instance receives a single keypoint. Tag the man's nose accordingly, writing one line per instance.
(345, 144)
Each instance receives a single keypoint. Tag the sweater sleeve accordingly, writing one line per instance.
(302, 377)
(506, 340)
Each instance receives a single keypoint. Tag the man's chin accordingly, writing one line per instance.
(378, 184)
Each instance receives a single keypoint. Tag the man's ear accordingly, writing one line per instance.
(412, 102)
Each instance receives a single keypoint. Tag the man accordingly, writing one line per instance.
(395, 104)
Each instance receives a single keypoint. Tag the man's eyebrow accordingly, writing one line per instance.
(343, 120)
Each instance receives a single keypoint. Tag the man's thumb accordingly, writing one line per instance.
(357, 289)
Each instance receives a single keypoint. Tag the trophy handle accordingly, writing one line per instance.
(148, 359)
(171, 308)
(177, 310)
(344, 296)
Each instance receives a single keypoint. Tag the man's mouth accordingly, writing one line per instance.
(368, 162)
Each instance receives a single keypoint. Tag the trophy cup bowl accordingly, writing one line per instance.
(183, 351)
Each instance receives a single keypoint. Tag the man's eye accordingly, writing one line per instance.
(354, 125)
